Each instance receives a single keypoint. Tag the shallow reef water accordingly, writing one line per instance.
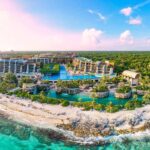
(15, 136)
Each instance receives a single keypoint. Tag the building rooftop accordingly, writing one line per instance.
(84, 59)
(131, 74)
(13, 60)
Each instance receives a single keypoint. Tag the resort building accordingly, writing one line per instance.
(131, 76)
(62, 58)
(44, 60)
(30, 65)
(85, 65)
(17, 66)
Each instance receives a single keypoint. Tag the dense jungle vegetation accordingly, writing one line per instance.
(139, 61)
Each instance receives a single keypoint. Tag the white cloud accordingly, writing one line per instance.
(135, 21)
(101, 16)
(91, 11)
(126, 37)
(126, 11)
(141, 4)
(98, 14)
(92, 37)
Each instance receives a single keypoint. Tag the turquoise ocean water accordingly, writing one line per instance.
(14, 136)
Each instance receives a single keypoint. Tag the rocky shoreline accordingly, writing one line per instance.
(88, 129)
(72, 124)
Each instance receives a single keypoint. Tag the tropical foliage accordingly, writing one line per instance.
(50, 69)
(45, 69)
(112, 108)
(55, 68)
(25, 80)
(67, 84)
(100, 88)
(123, 89)
(142, 87)
(146, 98)
(74, 83)
(8, 82)
(10, 78)
(139, 61)
(132, 104)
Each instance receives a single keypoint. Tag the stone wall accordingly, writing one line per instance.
(68, 90)
(141, 92)
(123, 95)
(101, 94)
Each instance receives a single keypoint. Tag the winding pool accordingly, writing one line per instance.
(84, 97)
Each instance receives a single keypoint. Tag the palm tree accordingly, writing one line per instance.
(42, 96)
(109, 107)
(145, 80)
(135, 97)
(94, 95)
(11, 78)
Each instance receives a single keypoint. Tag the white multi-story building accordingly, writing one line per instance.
(88, 66)
(17, 66)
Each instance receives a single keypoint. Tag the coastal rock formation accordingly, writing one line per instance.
(79, 124)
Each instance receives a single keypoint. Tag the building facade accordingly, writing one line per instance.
(88, 66)
(17, 66)
(32, 64)
(44, 60)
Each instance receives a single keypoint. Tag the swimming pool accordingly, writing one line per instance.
(64, 75)
(85, 97)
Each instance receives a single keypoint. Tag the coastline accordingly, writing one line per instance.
(84, 127)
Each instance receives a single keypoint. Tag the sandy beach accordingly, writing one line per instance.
(82, 124)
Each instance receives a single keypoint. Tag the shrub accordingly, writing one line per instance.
(100, 88)
(55, 69)
(146, 98)
(35, 97)
(65, 103)
(53, 101)
(142, 87)
(45, 69)
(132, 104)
(67, 84)
(25, 80)
(99, 107)
(123, 89)
(112, 108)
(10, 78)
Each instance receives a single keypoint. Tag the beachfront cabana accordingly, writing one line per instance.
(131, 76)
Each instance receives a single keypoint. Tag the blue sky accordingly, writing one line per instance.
(98, 21)
(74, 15)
